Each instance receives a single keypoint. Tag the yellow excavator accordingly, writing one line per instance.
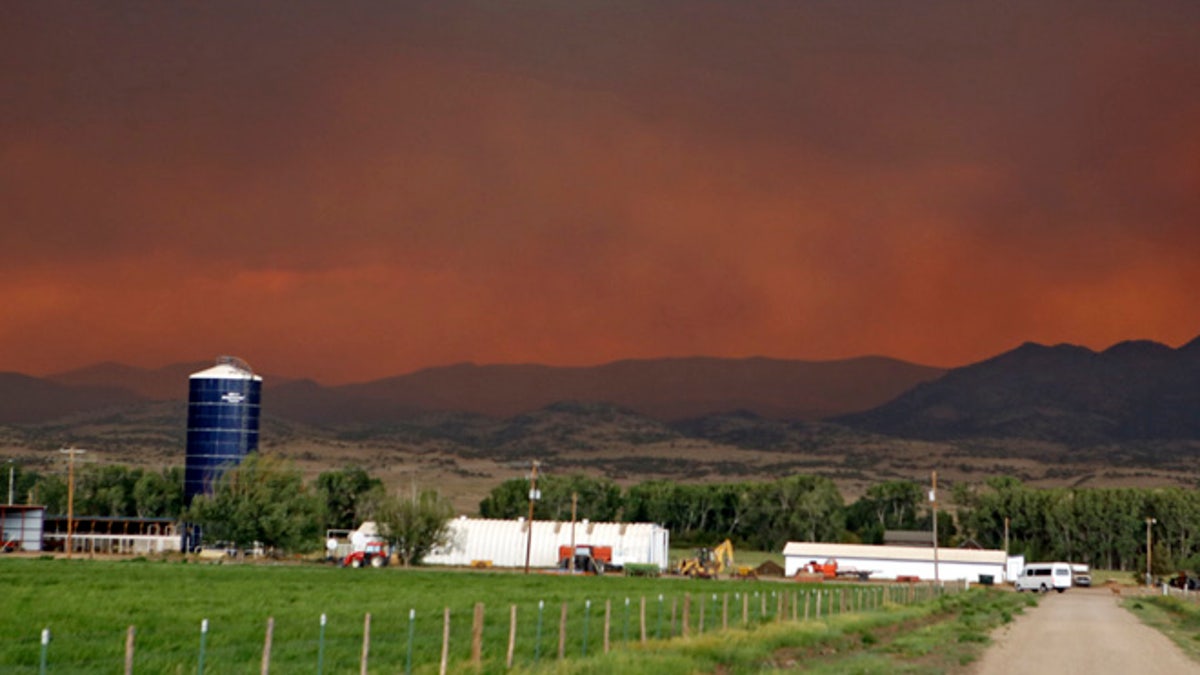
(710, 563)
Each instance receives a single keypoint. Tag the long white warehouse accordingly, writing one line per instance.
(891, 562)
(503, 542)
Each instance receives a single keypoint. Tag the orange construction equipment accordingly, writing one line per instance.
(827, 569)
(586, 559)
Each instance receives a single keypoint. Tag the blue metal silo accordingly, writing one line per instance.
(222, 428)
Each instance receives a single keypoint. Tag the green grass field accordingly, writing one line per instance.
(87, 606)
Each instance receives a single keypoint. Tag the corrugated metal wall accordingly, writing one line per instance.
(883, 567)
(503, 542)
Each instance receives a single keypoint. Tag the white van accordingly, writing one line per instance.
(1043, 577)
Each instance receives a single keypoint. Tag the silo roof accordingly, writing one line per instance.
(225, 371)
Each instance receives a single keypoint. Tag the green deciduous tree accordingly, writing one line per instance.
(159, 495)
(599, 499)
(414, 525)
(261, 500)
(807, 508)
(345, 492)
(51, 492)
(894, 505)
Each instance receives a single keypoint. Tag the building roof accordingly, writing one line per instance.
(821, 551)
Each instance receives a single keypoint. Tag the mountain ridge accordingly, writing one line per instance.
(669, 388)
(1133, 390)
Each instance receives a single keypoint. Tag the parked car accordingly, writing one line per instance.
(1081, 575)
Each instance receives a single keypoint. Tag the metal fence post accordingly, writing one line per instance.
(537, 643)
(321, 648)
(203, 643)
(658, 630)
(587, 614)
(412, 618)
(45, 649)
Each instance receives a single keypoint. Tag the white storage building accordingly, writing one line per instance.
(503, 542)
(891, 562)
(21, 527)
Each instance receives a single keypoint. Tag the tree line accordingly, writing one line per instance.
(1102, 527)
(262, 500)
(267, 500)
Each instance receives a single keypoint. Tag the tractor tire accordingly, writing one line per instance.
(378, 561)
(356, 563)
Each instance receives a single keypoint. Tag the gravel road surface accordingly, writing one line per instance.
(1082, 631)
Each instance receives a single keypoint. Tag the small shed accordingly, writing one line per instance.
(503, 542)
(891, 562)
(21, 527)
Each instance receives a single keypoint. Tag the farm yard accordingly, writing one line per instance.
(88, 606)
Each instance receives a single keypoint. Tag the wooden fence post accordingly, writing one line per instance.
(477, 636)
(674, 601)
(745, 609)
(687, 611)
(444, 664)
(512, 635)
(562, 633)
(266, 655)
(366, 648)
(819, 594)
(129, 651)
(607, 622)
(642, 612)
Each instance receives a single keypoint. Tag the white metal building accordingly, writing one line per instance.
(890, 562)
(21, 527)
(503, 542)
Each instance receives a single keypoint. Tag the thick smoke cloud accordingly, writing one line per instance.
(353, 191)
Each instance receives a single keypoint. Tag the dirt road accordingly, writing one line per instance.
(1082, 631)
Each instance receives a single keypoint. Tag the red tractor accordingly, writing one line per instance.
(375, 555)
(367, 548)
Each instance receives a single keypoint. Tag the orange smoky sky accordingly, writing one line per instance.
(353, 190)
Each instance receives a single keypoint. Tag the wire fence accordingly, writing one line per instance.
(451, 639)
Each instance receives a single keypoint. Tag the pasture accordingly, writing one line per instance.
(88, 605)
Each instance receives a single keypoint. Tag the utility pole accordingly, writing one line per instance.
(1006, 535)
(933, 501)
(1149, 551)
(534, 495)
(71, 452)
(10, 482)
